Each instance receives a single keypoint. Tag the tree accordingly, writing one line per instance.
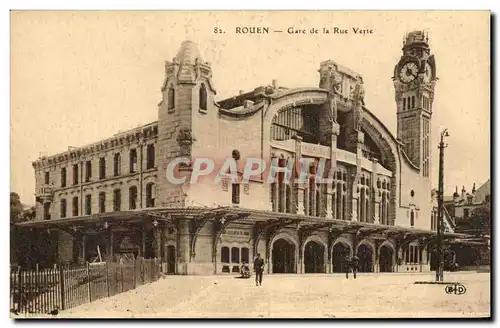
(29, 214)
(480, 221)
(16, 208)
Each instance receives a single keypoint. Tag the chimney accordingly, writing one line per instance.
(275, 84)
(474, 188)
(463, 191)
(241, 92)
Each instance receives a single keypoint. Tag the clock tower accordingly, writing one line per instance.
(414, 81)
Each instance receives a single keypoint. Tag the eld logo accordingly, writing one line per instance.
(457, 289)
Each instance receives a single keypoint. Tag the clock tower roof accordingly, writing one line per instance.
(416, 39)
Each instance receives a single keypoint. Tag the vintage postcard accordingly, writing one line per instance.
(250, 164)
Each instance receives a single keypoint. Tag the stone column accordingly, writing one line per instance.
(305, 198)
(300, 188)
(329, 192)
(183, 249)
(157, 232)
(375, 191)
(354, 209)
(300, 199)
(333, 167)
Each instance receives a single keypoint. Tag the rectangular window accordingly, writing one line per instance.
(47, 178)
(133, 160)
(117, 162)
(75, 206)
(132, 193)
(88, 204)
(466, 213)
(88, 171)
(63, 208)
(235, 193)
(117, 200)
(102, 202)
(75, 174)
(150, 156)
(150, 195)
(46, 211)
(487, 198)
(102, 168)
(63, 177)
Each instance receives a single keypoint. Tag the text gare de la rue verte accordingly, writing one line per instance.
(298, 31)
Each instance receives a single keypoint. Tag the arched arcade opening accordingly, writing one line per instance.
(283, 257)
(386, 256)
(340, 252)
(314, 257)
(365, 255)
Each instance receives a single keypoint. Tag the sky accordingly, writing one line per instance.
(79, 77)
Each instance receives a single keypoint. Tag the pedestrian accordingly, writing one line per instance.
(347, 266)
(258, 266)
(354, 265)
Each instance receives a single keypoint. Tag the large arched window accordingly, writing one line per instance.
(296, 121)
(203, 97)
(171, 98)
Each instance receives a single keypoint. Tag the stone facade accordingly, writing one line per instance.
(378, 179)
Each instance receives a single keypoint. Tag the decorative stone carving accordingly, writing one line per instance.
(185, 139)
(358, 96)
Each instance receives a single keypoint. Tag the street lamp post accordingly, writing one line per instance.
(440, 269)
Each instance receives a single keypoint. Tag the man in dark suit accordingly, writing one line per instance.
(258, 266)
(354, 265)
(347, 265)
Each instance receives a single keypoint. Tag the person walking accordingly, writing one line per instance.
(347, 266)
(258, 266)
(354, 265)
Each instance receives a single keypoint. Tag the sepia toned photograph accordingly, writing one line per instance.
(250, 164)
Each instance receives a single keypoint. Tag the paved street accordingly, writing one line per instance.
(296, 296)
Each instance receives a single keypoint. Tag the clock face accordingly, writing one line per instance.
(427, 73)
(408, 72)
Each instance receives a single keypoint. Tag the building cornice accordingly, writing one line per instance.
(142, 133)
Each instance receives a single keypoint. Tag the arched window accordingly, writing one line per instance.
(203, 97)
(412, 218)
(171, 98)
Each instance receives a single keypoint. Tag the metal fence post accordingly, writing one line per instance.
(133, 273)
(107, 277)
(88, 281)
(121, 273)
(61, 285)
